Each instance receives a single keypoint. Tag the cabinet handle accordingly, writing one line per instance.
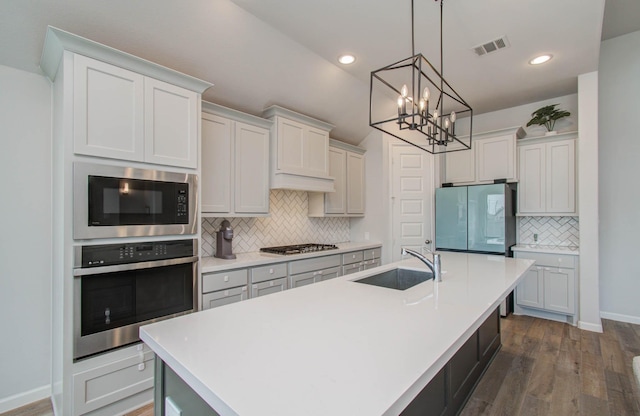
(320, 272)
(270, 271)
(226, 278)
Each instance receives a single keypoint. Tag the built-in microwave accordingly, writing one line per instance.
(116, 201)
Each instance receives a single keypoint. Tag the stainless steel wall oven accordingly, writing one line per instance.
(120, 287)
(115, 201)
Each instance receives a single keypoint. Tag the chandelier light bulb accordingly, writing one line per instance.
(404, 91)
(453, 117)
(423, 105)
(400, 102)
(435, 115)
(446, 123)
(426, 93)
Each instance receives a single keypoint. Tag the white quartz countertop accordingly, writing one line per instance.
(243, 260)
(537, 248)
(337, 347)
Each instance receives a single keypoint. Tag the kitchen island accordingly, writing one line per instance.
(334, 348)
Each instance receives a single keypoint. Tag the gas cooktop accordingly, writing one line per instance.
(299, 248)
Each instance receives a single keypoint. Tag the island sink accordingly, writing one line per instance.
(400, 279)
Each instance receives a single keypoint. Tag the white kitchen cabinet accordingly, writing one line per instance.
(550, 286)
(352, 262)
(346, 166)
(371, 258)
(121, 114)
(171, 116)
(313, 270)
(547, 177)
(492, 156)
(299, 151)
(268, 279)
(235, 163)
(223, 288)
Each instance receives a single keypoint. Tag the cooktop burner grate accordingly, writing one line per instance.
(298, 248)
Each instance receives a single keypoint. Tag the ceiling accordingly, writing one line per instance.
(263, 52)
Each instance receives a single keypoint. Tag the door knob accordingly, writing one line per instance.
(427, 241)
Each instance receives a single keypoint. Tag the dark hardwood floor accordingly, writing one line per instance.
(544, 368)
(549, 368)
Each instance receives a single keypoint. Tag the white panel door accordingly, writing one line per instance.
(559, 290)
(561, 179)
(290, 145)
(355, 183)
(108, 110)
(412, 197)
(216, 164)
(316, 143)
(530, 291)
(531, 190)
(336, 202)
(251, 169)
(496, 158)
(171, 124)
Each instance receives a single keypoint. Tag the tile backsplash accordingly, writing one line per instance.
(288, 224)
(552, 231)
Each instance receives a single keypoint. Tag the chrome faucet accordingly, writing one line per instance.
(433, 265)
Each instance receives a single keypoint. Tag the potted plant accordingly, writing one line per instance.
(547, 116)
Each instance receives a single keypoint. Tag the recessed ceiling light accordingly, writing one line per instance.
(346, 59)
(540, 59)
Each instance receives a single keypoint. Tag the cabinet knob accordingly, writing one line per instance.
(320, 272)
(226, 278)
(270, 271)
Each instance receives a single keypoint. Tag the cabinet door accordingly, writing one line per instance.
(268, 287)
(530, 290)
(171, 124)
(460, 167)
(560, 181)
(216, 164)
(108, 110)
(251, 187)
(290, 145)
(335, 202)
(355, 183)
(531, 189)
(224, 297)
(316, 151)
(559, 290)
(496, 158)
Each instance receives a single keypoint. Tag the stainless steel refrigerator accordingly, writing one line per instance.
(478, 218)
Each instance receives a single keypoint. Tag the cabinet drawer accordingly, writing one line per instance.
(372, 253)
(550, 260)
(224, 297)
(328, 274)
(316, 263)
(370, 264)
(107, 384)
(224, 280)
(353, 257)
(351, 268)
(270, 272)
(268, 287)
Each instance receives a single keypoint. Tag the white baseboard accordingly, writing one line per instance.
(22, 399)
(620, 317)
(588, 326)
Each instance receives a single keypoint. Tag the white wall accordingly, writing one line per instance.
(619, 155)
(25, 245)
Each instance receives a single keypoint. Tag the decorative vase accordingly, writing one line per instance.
(551, 133)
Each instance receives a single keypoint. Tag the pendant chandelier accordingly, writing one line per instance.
(411, 100)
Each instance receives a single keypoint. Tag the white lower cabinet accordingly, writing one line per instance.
(371, 258)
(223, 288)
(352, 262)
(268, 279)
(107, 388)
(314, 270)
(550, 286)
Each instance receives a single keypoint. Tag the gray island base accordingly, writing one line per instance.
(339, 347)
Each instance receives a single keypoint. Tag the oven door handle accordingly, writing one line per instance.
(132, 266)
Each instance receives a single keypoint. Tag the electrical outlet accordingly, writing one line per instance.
(535, 238)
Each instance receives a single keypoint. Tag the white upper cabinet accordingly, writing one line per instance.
(121, 114)
(492, 156)
(108, 108)
(299, 151)
(346, 166)
(547, 176)
(235, 163)
(171, 124)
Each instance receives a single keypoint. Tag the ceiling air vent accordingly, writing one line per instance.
(494, 45)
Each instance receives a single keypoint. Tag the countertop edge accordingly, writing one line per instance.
(244, 260)
(532, 248)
